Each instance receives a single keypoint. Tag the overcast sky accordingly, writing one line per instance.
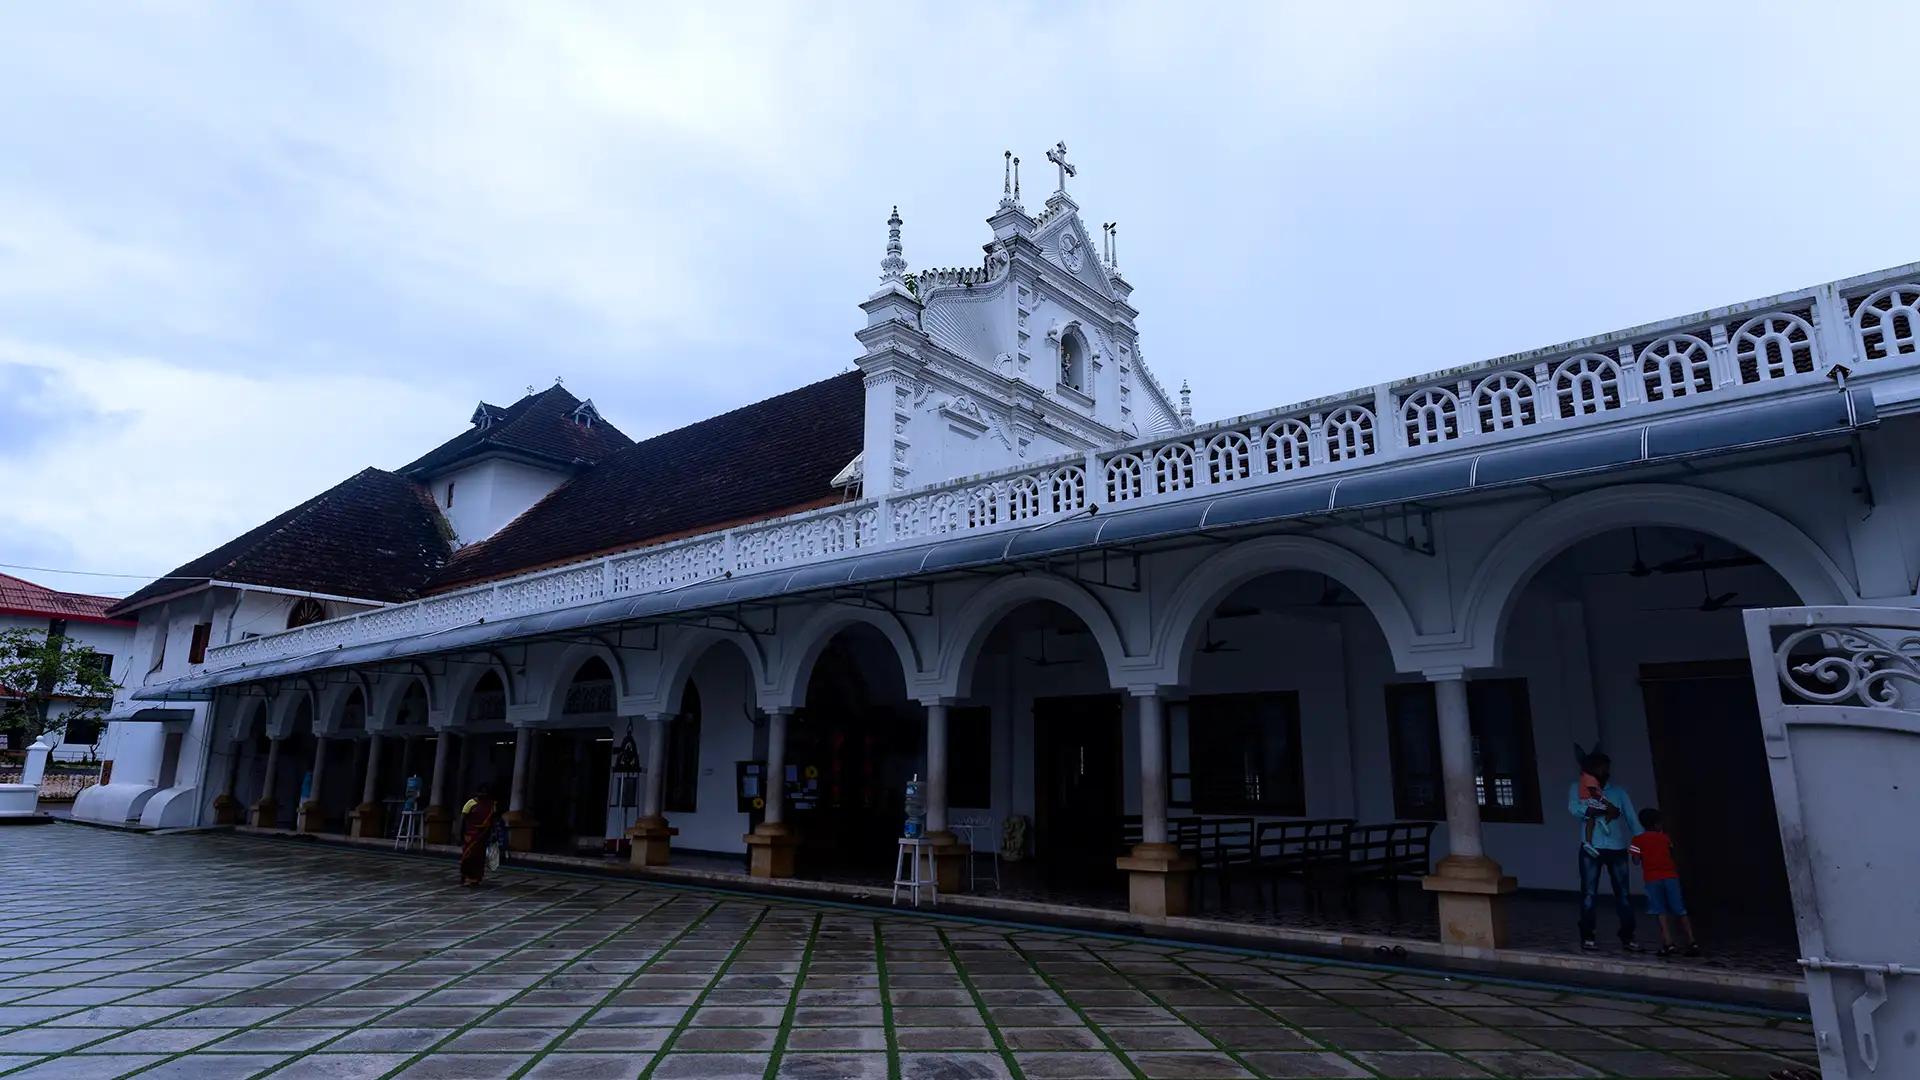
(248, 249)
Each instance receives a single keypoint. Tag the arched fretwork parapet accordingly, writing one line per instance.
(284, 712)
(463, 679)
(1178, 631)
(549, 688)
(660, 691)
(966, 632)
(801, 649)
(1501, 577)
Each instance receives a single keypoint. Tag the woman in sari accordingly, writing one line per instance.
(477, 820)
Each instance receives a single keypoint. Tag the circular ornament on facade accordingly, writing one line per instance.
(1070, 250)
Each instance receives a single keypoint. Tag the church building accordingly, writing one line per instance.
(1138, 651)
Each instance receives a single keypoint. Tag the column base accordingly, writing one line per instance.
(652, 840)
(227, 810)
(437, 825)
(771, 850)
(949, 861)
(264, 813)
(367, 819)
(1159, 880)
(520, 827)
(1472, 894)
(310, 818)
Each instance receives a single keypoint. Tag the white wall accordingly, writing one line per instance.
(112, 640)
(490, 493)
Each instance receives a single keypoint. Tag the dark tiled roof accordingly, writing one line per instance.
(539, 426)
(375, 536)
(19, 597)
(754, 462)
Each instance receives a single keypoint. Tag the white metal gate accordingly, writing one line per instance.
(1839, 693)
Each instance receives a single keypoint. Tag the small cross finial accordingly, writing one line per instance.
(529, 389)
(558, 381)
(1112, 231)
(894, 266)
(1058, 155)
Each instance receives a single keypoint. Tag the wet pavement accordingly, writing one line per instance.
(209, 955)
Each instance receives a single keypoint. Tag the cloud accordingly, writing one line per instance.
(356, 220)
(137, 464)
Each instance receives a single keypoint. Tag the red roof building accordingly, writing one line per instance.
(24, 598)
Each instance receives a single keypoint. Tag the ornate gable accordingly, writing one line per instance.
(1063, 240)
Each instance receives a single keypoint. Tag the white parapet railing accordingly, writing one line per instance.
(1789, 343)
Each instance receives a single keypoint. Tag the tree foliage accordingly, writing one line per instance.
(40, 669)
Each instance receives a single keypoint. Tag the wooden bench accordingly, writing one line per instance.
(1387, 852)
(1294, 847)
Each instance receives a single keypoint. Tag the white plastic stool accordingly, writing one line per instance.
(408, 834)
(914, 868)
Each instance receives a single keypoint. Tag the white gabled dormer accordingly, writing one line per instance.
(511, 458)
(1031, 354)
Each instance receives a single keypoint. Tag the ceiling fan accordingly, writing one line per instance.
(1709, 600)
(1212, 645)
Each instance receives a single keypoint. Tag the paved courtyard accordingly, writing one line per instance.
(214, 956)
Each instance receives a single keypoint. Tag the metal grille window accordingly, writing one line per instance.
(1244, 753)
(1506, 775)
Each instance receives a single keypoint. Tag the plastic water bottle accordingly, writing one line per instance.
(916, 809)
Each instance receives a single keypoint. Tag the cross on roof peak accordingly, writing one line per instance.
(1058, 155)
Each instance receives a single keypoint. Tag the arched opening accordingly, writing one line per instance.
(304, 611)
(1073, 362)
(1631, 639)
(483, 750)
(1044, 742)
(1280, 745)
(295, 771)
(571, 762)
(851, 749)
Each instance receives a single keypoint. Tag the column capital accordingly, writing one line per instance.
(780, 710)
(1451, 673)
(940, 699)
(1159, 690)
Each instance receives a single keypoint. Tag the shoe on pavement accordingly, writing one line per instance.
(1589, 945)
(1632, 946)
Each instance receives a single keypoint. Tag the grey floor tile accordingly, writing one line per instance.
(568, 1066)
(832, 1067)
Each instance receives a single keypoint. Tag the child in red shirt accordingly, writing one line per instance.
(1653, 850)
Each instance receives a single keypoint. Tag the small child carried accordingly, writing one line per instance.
(1590, 791)
(1653, 850)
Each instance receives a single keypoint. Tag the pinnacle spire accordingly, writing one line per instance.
(1186, 403)
(894, 266)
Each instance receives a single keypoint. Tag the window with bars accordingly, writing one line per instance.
(1506, 775)
(1243, 753)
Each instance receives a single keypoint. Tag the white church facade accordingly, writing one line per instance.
(999, 555)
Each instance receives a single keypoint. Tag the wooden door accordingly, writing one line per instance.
(1078, 803)
(1711, 782)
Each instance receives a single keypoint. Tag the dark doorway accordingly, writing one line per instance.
(1077, 806)
(568, 793)
(859, 752)
(1710, 773)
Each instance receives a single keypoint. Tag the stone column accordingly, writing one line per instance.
(313, 816)
(770, 846)
(651, 836)
(949, 854)
(369, 818)
(265, 809)
(226, 808)
(1159, 877)
(438, 820)
(520, 824)
(1470, 887)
